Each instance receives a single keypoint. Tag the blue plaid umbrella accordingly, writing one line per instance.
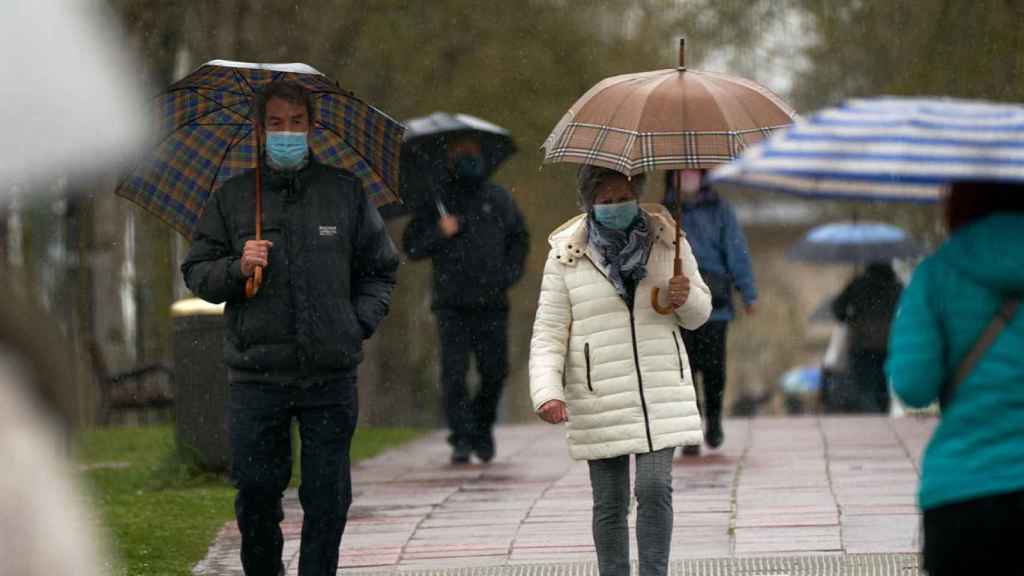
(206, 136)
(886, 148)
(854, 243)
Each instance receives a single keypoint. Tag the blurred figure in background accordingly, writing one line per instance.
(720, 247)
(478, 247)
(46, 526)
(972, 475)
(866, 306)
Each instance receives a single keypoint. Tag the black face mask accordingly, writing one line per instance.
(468, 170)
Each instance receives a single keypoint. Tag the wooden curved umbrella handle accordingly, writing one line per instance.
(665, 309)
(252, 285)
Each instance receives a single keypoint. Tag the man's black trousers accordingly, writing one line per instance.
(484, 334)
(261, 425)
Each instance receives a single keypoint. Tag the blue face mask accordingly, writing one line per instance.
(617, 216)
(286, 150)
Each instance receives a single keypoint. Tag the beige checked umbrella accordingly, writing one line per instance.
(670, 119)
(673, 119)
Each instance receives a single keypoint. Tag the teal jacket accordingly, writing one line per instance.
(978, 447)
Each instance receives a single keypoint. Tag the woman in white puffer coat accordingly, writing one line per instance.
(604, 361)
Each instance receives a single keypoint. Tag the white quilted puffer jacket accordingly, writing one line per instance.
(624, 375)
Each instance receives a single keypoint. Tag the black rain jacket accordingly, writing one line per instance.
(327, 284)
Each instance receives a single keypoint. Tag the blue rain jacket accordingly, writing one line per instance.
(977, 449)
(719, 245)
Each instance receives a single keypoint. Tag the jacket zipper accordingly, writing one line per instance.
(640, 379)
(586, 354)
(679, 355)
(636, 362)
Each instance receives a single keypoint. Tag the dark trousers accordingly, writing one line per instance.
(483, 333)
(867, 372)
(261, 425)
(706, 349)
(979, 536)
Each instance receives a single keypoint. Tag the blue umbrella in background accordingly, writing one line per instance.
(886, 149)
(855, 243)
(801, 379)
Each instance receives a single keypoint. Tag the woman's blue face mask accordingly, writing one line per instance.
(617, 216)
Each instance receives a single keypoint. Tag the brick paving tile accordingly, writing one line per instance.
(779, 486)
(756, 541)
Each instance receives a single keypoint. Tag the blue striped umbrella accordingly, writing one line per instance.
(854, 243)
(886, 148)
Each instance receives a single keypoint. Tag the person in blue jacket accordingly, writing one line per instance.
(724, 261)
(972, 475)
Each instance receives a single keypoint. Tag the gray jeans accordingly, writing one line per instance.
(609, 481)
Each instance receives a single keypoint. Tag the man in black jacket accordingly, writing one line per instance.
(478, 247)
(293, 349)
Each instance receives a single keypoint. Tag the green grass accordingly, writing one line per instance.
(162, 513)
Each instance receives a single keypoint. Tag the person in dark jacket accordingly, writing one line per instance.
(867, 306)
(478, 247)
(292, 350)
(723, 259)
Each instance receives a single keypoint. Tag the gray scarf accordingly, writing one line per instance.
(623, 252)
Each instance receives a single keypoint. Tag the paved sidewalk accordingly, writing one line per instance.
(836, 490)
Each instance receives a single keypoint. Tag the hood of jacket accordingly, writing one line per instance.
(989, 252)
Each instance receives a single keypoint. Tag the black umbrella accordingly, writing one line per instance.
(424, 161)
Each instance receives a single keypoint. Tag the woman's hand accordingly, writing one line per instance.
(553, 411)
(678, 290)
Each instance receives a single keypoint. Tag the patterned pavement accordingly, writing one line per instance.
(836, 490)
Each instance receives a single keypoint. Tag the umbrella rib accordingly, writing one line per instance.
(590, 98)
(643, 110)
(618, 107)
(227, 150)
(341, 139)
(220, 107)
(241, 80)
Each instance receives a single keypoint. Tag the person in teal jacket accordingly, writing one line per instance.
(972, 476)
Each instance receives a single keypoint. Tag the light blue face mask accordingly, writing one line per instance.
(286, 150)
(617, 216)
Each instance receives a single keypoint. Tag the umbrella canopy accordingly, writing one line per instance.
(855, 243)
(425, 155)
(887, 148)
(801, 379)
(668, 119)
(206, 136)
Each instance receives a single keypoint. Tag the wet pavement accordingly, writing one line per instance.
(834, 489)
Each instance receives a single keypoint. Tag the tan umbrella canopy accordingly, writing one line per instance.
(672, 119)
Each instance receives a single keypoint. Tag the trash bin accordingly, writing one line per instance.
(201, 383)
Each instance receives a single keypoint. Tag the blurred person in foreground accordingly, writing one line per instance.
(293, 349)
(45, 524)
(614, 369)
(972, 475)
(723, 258)
(866, 306)
(478, 251)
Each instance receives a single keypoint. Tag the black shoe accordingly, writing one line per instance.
(484, 447)
(691, 450)
(460, 454)
(715, 436)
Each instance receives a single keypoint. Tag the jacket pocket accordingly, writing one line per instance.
(586, 356)
(679, 355)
